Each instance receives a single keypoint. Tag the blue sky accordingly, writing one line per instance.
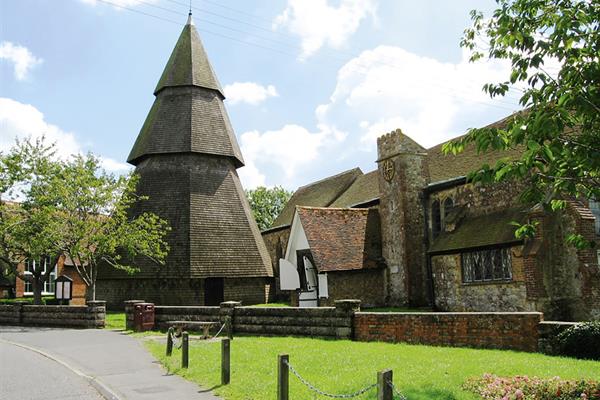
(310, 84)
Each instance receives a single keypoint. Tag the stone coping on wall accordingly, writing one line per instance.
(93, 315)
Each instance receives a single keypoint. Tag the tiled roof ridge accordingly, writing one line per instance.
(330, 177)
(332, 208)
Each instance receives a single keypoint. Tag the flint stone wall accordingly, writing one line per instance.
(92, 315)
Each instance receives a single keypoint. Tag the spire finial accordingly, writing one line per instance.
(189, 20)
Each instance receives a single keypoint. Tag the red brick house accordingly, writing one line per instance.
(449, 244)
(64, 267)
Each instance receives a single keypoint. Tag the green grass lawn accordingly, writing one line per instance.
(421, 372)
(115, 320)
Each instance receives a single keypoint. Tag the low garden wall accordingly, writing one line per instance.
(92, 315)
(334, 322)
(523, 331)
(496, 330)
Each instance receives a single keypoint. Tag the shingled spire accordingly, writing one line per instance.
(173, 124)
(186, 156)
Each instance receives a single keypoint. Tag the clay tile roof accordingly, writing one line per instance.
(479, 231)
(342, 239)
(317, 194)
(365, 188)
(443, 167)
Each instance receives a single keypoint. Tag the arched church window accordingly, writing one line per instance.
(436, 218)
(448, 206)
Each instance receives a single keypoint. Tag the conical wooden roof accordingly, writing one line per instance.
(188, 114)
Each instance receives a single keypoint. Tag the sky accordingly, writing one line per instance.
(309, 84)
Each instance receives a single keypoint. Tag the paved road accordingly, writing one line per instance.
(27, 375)
(115, 363)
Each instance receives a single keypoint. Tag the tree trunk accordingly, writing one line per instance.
(37, 285)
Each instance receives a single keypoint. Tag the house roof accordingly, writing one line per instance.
(362, 190)
(447, 166)
(317, 194)
(479, 231)
(188, 64)
(342, 239)
(188, 114)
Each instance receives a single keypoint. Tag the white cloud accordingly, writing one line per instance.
(287, 150)
(318, 24)
(248, 92)
(21, 121)
(388, 88)
(382, 89)
(21, 57)
(119, 3)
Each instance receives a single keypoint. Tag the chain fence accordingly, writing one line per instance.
(396, 391)
(322, 393)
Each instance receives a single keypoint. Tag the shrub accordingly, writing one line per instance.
(492, 387)
(581, 341)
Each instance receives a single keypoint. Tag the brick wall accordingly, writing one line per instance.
(514, 331)
(92, 315)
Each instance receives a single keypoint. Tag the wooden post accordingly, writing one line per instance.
(384, 389)
(225, 361)
(170, 341)
(229, 327)
(185, 350)
(283, 377)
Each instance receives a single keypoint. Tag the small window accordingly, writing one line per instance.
(487, 265)
(595, 208)
(436, 218)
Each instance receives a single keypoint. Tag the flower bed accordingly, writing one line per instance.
(492, 387)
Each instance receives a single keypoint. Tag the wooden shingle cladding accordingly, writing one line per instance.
(342, 239)
(187, 120)
(188, 64)
(186, 156)
(317, 194)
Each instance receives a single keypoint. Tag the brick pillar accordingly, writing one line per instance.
(129, 305)
(97, 311)
(403, 174)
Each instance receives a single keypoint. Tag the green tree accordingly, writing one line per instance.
(28, 229)
(73, 209)
(267, 203)
(98, 228)
(559, 129)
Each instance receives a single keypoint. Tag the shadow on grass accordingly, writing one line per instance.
(209, 389)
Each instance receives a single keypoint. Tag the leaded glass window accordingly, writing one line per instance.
(487, 265)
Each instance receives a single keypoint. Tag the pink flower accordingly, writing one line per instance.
(518, 394)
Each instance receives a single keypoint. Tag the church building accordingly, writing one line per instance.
(186, 155)
(445, 243)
